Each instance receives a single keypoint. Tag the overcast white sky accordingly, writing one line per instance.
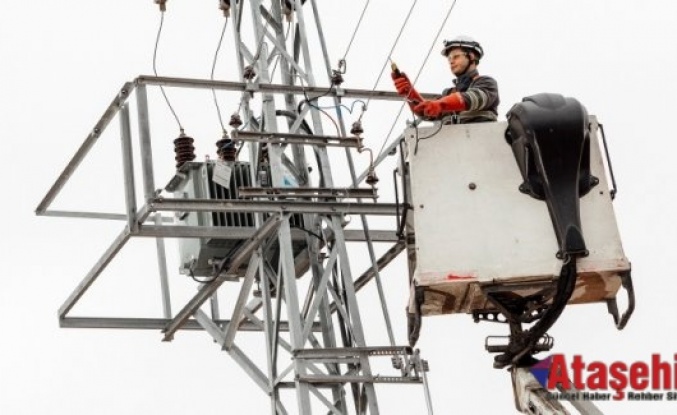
(61, 63)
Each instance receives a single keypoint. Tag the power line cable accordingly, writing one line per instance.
(164, 94)
(397, 39)
(309, 102)
(359, 22)
(350, 108)
(216, 54)
(418, 74)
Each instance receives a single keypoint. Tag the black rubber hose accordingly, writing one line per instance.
(565, 288)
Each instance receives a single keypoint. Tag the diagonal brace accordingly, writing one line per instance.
(240, 256)
(240, 303)
(235, 352)
(320, 294)
(94, 273)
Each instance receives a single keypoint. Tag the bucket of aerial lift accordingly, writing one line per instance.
(474, 230)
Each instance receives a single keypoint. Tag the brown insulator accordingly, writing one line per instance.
(357, 128)
(184, 149)
(371, 179)
(235, 120)
(225, 148)
(287, 9)
(336, 77)
(225, 6)
(161, 3)
(249, 73)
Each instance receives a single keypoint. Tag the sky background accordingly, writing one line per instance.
(61, 63)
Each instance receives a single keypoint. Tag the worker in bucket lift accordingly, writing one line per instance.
(473, 98)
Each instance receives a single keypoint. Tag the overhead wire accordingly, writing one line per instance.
(350, 108)
(162, 89)
(308, 100)
(338, 130)
(397, 39)
(211, 77)
(357, 26)
(342, 62)
(418, 74)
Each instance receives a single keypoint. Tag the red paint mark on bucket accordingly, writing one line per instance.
(459, 277)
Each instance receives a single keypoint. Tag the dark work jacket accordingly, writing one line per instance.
(480, 93)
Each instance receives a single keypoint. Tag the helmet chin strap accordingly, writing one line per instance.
(467, 65)
(462, 80)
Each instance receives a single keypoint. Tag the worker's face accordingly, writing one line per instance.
(458, 61)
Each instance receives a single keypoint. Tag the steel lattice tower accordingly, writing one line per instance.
(321, 330)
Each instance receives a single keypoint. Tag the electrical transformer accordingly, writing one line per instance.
(196, 180)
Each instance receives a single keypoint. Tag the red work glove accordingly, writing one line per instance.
(433, 109)
(405, 89)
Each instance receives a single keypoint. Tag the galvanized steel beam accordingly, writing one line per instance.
(234, 263)
(94, 273)
(158, 324)
(278, 206)
(85, 147)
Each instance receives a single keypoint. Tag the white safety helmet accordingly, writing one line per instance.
(464, 42)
